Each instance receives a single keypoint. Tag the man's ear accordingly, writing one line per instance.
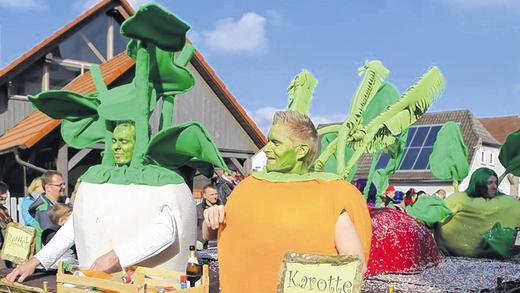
(301, 151)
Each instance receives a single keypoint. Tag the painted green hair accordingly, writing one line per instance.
(478, 183)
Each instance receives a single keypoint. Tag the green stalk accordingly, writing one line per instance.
(144, 91)
(167, 112)
(375, 159)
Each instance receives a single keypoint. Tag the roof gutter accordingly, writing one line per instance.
(26, 164)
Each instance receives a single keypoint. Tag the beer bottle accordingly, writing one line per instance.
(193, 268)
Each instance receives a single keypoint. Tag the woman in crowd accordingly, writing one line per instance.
(34, 190)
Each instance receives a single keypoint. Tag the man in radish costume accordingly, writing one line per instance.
(135, 207)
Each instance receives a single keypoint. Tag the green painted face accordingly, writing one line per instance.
(123, 144)
(283, 155)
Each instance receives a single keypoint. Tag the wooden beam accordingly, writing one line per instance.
(235, 155)
(110, 38)
(61, 165)
(248, 165)
(92, 47)
(45, 77)
(77, 158)
(239, 166)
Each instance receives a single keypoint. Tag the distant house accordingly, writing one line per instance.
(30, 141)
(500, 128)
(414, 171)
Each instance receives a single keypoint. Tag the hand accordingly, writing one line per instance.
(214, 216)
(24, 271)
(108, 263)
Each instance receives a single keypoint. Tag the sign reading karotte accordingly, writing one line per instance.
(302, 273)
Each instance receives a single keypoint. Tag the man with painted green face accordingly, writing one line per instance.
(123, 143)
(159, 236)
(286, 209)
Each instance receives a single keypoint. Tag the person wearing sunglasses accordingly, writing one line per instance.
(54, 191)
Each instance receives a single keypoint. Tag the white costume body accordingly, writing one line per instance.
(133, 221)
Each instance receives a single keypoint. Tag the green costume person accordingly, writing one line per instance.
(475, 212)
(139, 190)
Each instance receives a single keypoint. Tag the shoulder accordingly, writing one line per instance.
(344, 189)
(509, 201)
(457, 196)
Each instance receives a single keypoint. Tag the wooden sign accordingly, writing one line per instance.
(18, 243)
(304, 273)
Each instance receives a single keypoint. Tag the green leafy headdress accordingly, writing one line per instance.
(155, 36)
(381, 131)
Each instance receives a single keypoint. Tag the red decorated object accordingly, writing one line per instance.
(400, 244)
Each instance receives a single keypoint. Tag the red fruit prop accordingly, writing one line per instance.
(400, 244)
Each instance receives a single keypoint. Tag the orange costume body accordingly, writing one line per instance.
(266, 219)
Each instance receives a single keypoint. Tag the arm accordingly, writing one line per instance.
(48, 255)
(347, 240)
(27, 219)
(160, 235)
(213, 217)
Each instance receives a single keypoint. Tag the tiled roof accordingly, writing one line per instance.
(473, 132)
(44, 47)
(501, 127)
(37, 125)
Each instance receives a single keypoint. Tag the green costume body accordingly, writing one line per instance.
(473, 216)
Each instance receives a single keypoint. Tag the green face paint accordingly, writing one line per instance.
(281, 152)
(123, 144)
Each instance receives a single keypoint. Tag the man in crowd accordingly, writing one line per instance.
(441, 193)
(54, 189)
(209, 198)
(286, 209)
(224, 184)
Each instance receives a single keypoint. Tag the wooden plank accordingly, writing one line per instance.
(77, 158)
(98, 283)
(237, 164)
(62, 165)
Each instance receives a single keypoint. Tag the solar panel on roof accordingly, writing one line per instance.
(418, 148)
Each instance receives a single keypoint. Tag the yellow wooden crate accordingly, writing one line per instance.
(145, 280)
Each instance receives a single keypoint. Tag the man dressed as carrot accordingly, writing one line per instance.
(286, 209)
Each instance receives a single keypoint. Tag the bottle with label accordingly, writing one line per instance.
(193, 268)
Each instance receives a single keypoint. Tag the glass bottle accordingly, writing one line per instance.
(193, 268)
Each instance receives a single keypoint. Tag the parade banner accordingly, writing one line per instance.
(318, 273)
(19, 243)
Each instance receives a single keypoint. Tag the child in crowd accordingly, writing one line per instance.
(59, 214)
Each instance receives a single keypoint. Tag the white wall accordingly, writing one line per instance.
(486, 156)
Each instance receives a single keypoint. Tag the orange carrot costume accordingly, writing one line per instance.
(267, 216)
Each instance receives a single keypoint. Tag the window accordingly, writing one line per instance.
(419, 147)
(91, 43)
(483, 157)
(491, 159)
(29, 82)
(61, 75)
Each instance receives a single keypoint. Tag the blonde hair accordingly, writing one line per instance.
(58, 211)
(35, 184)
(302, 129)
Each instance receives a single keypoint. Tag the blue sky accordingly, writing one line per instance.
(256, 47)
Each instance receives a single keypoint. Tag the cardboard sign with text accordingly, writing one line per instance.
(18, 243)
(304, 273)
